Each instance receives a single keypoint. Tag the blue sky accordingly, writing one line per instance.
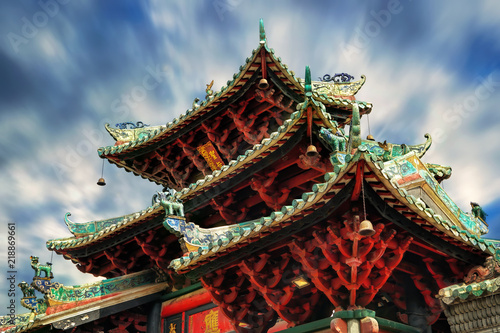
(68, 67)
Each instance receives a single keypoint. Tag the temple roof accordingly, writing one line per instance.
(481, 280)
(404, 178)
(465, 291)
(139, 140)
(258, 152)
(89, 232)
(119, 246)
(93, 231)
(474, 302)
(401, 190)
(397, 167)
(68, 306)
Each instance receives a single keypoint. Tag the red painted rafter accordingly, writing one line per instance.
(239, 301)
(274, 282)
(347, 260)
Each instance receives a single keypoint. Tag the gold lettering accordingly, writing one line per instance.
(208, 152)
(212, 322)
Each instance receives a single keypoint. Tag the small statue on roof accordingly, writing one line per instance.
(335, 138)
(171, 204)
(209, 91)
(27, 289)
(478, 212)
(195, 104)
(39, 268)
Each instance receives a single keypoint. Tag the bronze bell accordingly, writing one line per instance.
(370, 137)
(366, 228)
(263, 84)
(312, 151)
(101, 182)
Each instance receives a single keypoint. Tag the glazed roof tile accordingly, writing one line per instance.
(92, 231)
(84, 299)
(250, 156)
(465, 291)
(239, 79)
(102, 229)
(454, 230)
(22, 323)
(255, 228)
(94, 227)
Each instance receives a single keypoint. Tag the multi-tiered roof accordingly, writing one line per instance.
(271, 207)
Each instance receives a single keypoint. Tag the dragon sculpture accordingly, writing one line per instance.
(170, 203)
(28, 290)
(39, 268)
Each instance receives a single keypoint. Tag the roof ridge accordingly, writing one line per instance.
(220, 242)
(70, 242)
(214, 97)
(195, 110)
(423, 210)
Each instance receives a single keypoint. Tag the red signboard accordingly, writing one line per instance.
(209, 321)
(195, 313)
(211, 156)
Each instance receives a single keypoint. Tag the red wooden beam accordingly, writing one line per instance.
(263, 63)
(309, 122)
(185, 303)
(359, 179)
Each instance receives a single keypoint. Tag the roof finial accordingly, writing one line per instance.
(262, 32)
(308, 86)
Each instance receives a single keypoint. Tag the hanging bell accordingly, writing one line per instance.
(263, 84)
(366, 228)
(370, 137)
(312, 151)
(101, 182)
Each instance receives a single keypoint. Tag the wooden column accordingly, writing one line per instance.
(154, 318)
(415, 306)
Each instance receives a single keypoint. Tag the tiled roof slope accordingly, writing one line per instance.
(474, 306)
(88, 232)
(65, 303)
(455, 226)
(240, 78)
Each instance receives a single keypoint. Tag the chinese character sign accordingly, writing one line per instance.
(212, 322)
(209, 321)
(173, 324)
(211, 156)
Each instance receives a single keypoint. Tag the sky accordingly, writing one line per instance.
(68, 67)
